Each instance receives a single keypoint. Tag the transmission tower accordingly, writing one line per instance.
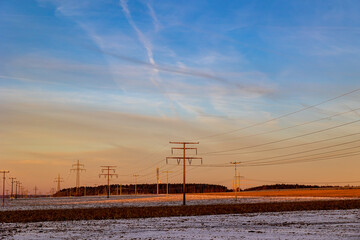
(108, 175)
(135, 176)
(12, 187)
(4, 172)
(184, 148)
(58, 180)
(78, 168)
(157, 181)
(16, 188)
(236, 179)
(35, 190)
(167, 182)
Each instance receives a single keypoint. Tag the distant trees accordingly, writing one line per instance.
(116, 189)
(284, 186)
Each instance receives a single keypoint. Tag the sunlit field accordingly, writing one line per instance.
(346, 193)
(176, 199)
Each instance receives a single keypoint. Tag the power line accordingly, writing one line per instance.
(284, 139)
(305, 151)
(279, 117)
(291, 182)
(301, 160)
(287, 147)
(294, 126)
(294, 160)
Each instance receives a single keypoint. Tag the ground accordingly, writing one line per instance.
(330, 224)
(334, 224)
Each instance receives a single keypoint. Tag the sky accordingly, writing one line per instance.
(112, 82)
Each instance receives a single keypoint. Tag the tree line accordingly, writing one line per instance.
(116, 189)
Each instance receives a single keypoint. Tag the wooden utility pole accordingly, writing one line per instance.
(235, 179)
(184, 148)
(12, 187)
(35, 190)
(157, 181)
(167, 182)
(108, 175)
(16, 187)
(78, 169)
(4, 172)
(135, 175)
(58, 180)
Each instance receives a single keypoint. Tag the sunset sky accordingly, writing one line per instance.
(112, 82)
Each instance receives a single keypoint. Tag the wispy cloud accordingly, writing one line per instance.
(156, 22)
(146, 43)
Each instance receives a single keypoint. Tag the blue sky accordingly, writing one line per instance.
(266, 48)
(201, 67)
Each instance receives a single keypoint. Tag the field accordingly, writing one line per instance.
(284, 214)
(176, 199)
(332, 224)
(352, 193)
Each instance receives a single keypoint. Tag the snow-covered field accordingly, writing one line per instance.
(138, 200)
(334, 224)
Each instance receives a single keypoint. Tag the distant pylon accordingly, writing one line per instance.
(35, 190)
(16, 188)
(58, 180)
(108, 175)
(157, 181)
(236, 179)
(78, 168)
(4, 172)
(12, 187)
(135, 175)
(167, 182)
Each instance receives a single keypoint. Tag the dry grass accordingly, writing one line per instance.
(343, 193)
(168, 211)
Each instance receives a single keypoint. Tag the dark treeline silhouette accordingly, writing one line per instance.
(285, 186)
(116, 189)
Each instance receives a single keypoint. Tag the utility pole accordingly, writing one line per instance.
(78, 168)
(184, 148)
(167, 182)
(19, 186)
(12, 186)
(157, 181)
(235, 179)
(58, 180)
(16, 187)
(4, 172)
(108, 175)
(35, 190)
(135, 175)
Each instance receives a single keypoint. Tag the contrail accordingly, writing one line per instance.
(164, 68)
